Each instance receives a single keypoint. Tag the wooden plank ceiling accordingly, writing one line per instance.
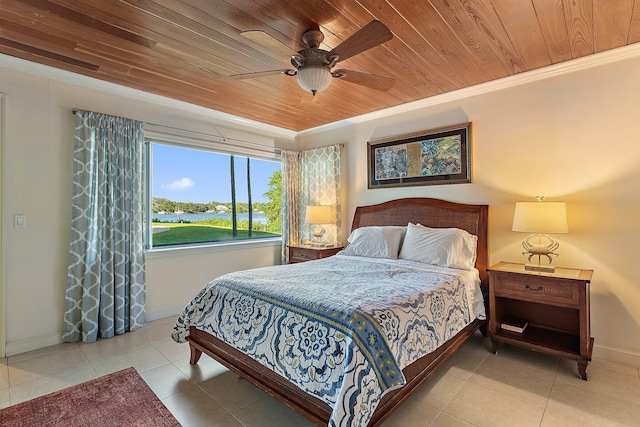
(184, 49)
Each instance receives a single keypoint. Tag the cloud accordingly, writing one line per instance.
(181, 184)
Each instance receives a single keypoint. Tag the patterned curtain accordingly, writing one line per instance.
(310, 177)
(105, 282)
(290, 195)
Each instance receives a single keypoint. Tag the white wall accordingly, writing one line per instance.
(570, 137)
(174, 278)
(37, 171)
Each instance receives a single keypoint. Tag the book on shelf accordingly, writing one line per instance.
(514, 324)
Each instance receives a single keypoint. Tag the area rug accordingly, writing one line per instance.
(118, 399)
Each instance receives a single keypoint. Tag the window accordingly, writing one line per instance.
(201, 196)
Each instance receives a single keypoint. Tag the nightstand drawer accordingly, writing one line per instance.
(537, 289)
(301, 254)
(309, 253)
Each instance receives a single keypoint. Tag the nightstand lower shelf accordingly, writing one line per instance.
(546, 341)
(536, 338)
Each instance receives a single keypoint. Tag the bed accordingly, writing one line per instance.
(372, 378)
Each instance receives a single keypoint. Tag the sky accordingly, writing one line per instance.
(186, 175)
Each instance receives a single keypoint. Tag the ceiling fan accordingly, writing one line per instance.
(312, 66)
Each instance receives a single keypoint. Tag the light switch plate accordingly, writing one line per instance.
(20, 221)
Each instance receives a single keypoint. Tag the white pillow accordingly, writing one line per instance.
(375, 242)
(446, 247)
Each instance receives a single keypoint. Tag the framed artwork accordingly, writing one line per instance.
(437, 156)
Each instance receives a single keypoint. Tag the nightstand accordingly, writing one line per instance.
(304, 253)
(555, 305)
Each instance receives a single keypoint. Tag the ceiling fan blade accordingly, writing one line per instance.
(371, 35)
(257, 74)
(369, 80)
(268, 41)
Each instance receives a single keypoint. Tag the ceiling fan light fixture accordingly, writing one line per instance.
(313, 79)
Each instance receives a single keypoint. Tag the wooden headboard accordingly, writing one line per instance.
(434, 213)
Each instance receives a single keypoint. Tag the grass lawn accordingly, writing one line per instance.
(180, 234)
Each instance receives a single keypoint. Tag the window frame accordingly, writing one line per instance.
(211, 144)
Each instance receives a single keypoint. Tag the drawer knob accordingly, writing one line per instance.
(531, 288)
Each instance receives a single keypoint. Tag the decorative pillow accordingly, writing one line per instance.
(446, 247)
(375, 242)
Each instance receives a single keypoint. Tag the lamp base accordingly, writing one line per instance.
(540, 268)
(539, 249)
(317, 231)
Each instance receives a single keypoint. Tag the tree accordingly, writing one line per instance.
(273, 208)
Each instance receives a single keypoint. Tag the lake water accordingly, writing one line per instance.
(257, 217)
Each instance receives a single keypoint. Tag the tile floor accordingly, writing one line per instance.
(513, 388)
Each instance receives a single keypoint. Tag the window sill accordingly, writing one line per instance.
(173, 251)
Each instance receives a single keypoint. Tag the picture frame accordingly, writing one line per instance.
(431, 157)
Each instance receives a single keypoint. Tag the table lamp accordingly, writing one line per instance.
(317, 216)
(540, 218)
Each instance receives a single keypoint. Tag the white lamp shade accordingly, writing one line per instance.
(318, 215)
(313, 79)
(540, 217)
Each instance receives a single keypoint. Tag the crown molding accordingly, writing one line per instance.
(556, 70)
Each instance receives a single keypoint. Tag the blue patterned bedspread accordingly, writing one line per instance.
(341, 328)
